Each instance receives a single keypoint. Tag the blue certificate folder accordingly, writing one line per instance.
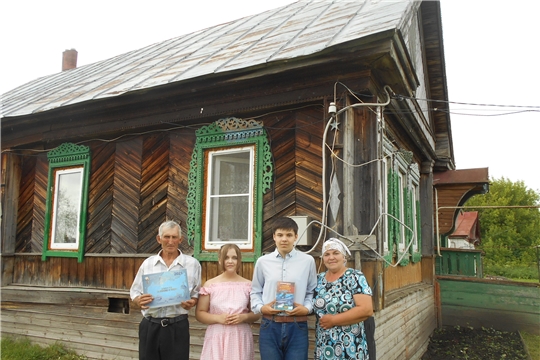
(167, 288)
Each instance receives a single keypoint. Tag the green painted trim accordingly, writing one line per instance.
(460, 262)
(65, 156)
(416, 256)
(228, 132)
(406, 220)
(390, 209)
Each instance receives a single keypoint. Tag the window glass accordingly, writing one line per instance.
(67, 208)
(385, 205)
(401, 216)
(229, 205)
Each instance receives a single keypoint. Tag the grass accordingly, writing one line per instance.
(533, 344)
(526, 280)
(23, 349)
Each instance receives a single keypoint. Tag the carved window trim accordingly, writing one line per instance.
(402, 199)
(65, 163)
(222, 134)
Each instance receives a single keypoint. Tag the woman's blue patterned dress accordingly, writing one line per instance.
(340, 342)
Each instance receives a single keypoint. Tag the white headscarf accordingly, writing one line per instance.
(335, 244)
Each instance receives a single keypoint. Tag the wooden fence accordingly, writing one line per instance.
(503, 305)
(462, 262)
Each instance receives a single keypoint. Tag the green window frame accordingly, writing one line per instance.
(67, 201)
(222, 140)
(413, 219)
(401, 187)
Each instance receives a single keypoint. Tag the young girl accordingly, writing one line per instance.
(224, 307)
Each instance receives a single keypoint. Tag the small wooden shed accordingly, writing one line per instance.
(318, 110)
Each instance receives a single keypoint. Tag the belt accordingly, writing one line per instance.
(166, 321)
(285, 319)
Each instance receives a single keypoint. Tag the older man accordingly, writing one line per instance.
(164, 331)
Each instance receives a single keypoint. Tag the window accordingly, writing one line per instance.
(229, 198)
(67, 198)
(385, 206)
(402, 188)
(415, 221)
(66, 208)
(230, 170)
(401, 234)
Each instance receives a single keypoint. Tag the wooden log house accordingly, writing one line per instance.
(315, 110)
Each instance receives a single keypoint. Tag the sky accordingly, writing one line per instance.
(491, 54)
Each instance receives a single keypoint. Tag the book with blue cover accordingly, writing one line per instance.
(168, 288)
(284, 296)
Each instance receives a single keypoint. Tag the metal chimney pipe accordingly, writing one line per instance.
(69, 59)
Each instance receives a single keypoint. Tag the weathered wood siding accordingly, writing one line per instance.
(402, 276)
(450, 197)
(503, 305)
(404, 327)
(137, 183)
(87, 321)
(295, 140)
(112, 272)
(105, 272)
(77, 317)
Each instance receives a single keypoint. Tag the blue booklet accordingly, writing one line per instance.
(168, 288)
(284, 296)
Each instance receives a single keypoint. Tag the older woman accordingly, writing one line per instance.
(341, 303)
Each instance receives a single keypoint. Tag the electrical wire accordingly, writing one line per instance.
(398, 97)
(176, 127)
(332, 118)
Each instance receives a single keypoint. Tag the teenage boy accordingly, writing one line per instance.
(283, 336)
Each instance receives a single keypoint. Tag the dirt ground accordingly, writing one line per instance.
(474, 344)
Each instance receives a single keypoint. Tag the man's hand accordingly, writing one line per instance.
(143, 300)
(299, 310)
(268, 309)
(189, 303)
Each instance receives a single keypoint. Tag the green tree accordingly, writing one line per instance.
(509, 235)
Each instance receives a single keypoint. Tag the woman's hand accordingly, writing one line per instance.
(360, 312)
(327, 321)
(234, 319)
(221, 318)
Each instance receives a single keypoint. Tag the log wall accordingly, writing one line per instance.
(100, 324)
(103, 324)
(116, 272)
(137, 183)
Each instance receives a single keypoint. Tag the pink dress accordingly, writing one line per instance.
(228, 342)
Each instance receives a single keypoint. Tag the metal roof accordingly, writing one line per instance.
(299, 29)
(467, 227)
